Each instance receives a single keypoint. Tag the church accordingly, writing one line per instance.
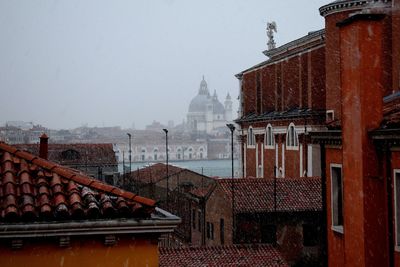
(207, 115)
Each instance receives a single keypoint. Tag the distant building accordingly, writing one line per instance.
(96, 160)
(207, 115)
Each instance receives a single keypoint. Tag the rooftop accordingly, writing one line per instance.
(257, 195)
(36, 193)
(235, 255)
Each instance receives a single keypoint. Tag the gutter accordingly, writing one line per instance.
(166, 223)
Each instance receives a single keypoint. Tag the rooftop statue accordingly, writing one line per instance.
(271, 28)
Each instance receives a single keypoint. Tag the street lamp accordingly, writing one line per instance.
(166, 153)
(232, 129)
(130, 152)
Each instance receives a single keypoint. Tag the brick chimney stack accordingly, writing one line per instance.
(44, 146)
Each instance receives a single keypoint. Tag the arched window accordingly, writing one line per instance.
(251, 139)
(178, 153)
(190, 152)
(201, 153)
(292, 141)
(143, 156)
(269, 138)
(155, 152)
(70, 154)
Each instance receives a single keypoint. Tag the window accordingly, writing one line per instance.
(269, 139)
(397, 206)
(199, 220)
(337, 197)
(330, 115)
(310, 235)
(221, 231)
(292, 141)
(194, 219)
(143, 156)
(210, 230)
(155, 153)
(251, 139)
(70, 154)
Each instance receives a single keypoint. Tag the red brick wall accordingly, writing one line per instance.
(268, 78)
(290, 83)
(218, 207)
(335, 240)
(249, 92)
(251, 162)
(361, 82)
(318, 78)
(396, 45)
(292, 163)
(269, 162)
(332, 62)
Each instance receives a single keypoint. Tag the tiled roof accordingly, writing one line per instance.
(33, 189)
(154, 173)
(83, 153)
(280, 115)
(236, 255)
(257, 195)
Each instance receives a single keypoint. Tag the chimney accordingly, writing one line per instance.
(44, 146)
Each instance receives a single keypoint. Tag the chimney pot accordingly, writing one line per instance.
(44, 146)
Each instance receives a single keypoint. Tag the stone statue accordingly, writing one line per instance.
(271, 28)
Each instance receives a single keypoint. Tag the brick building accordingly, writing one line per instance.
(53, 215)
(282, 212)
(359, 149)
(96, 160)
(188, 194)
(282, 100)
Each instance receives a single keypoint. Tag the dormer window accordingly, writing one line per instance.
(292, 140)
(251, 139)
(70, 154)
(269, 139)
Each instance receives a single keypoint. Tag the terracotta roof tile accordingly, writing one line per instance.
(34, 189)
(257, 195)
(236, 255)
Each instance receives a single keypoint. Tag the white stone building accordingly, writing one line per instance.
(206, 113)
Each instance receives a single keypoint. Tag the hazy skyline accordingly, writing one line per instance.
(107, 63)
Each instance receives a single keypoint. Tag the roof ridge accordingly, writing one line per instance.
(76, 177)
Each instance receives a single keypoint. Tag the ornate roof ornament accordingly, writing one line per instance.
(271, 28)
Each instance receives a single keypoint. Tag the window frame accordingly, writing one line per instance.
(396, 172)
(269, 131)
(339, 228)
(251, 138)
(292, 142)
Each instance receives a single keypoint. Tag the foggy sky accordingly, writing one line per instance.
(106, 63)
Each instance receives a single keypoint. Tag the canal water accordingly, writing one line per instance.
(220, 168)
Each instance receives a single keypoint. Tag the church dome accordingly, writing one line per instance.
(218, 107)
(199, 103)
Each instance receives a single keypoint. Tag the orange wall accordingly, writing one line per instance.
(127, 252)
